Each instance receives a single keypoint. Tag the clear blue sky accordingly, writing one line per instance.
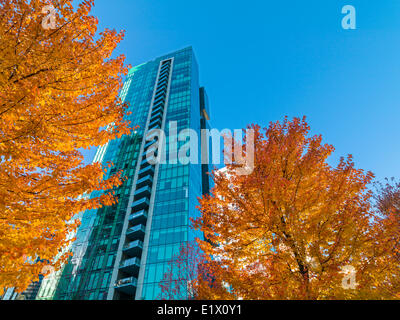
(262, 60)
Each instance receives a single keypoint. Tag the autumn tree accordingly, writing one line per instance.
(178, 281)
(387, 196)
(296, 227)
(387, 206)
(190, 275)
(59, 87)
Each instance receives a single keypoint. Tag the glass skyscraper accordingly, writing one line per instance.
(122, 251)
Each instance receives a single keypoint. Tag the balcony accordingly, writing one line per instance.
(155, 120)
(160, 91)
(152, 150)
(143, 192)
(127, 285)
(162, 88)
(136, 232)
(158, 105)
(148, 144)
(151, 160)
(130, 266)
(145, 181)
(164, 71)
(149, 170)
(138, 217)
(140, 204)
(159, 94)
(158, 108)
(166, 64)
(145, 163)
(156, 115)
(162, 80)
(155, 124)
(160, 99)
(134, 248)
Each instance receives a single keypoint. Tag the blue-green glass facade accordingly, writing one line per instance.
(122, 251)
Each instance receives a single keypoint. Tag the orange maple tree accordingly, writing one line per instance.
(296, 227)
(59, 89)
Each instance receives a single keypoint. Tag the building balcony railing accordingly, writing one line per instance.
(136, 233)
(141, 204)
(163, 81)
(156, 115)
(149, 170)
(146, 161)
(138, 217)
(145, 164)
(164, 69)
(160, 99)
(153, 149)
(145, 181)
(161, 90)
(156, 119)
(159, 94)
(142, 192)
(163, 72)
(148, 144)
(130, 266)
(155, 124)
(158, 105)
(165, 64)
(127, 285)
(157, 108)
(134, 248)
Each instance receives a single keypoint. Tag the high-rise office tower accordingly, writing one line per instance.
(122, 251)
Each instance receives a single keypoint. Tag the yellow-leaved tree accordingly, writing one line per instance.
(59, 89)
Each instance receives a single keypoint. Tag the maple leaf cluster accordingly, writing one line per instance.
(58, 94)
